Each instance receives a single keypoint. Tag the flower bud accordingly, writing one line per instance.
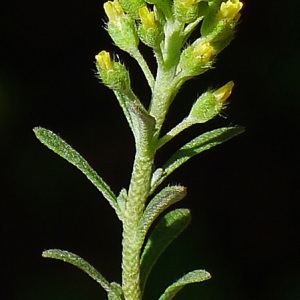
(113, 10)
(104, 61)
(113, 74)
(210, 104)
(121, 27)
(223, 93)
(229, 11)
(219, 23)
(150, 31)
(196, 58)
(186, 11)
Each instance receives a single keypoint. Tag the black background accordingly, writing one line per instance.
(243, 194)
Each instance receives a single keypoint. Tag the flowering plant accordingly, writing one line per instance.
(165, 26)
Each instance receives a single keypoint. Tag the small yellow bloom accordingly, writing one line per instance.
(104, 61)
(113, 10)
(147, 17)
(203, 50)
(230, 10)
(224, 92)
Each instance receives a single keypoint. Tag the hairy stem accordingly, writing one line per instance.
(137, 196)
(165, 87)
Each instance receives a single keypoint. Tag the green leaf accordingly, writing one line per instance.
(140, 121)
(83, 265)
(143, 125)
(201, 143)
(165, 231)
(122, 199)
(164, 199)
(155, 179)
(59, 146)
(191, 277)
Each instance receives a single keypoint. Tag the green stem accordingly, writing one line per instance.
(144, 66)
(137, 196)
(165, 87)
(184, 124)
(162, 97)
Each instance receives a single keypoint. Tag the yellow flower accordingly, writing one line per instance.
(229, 10)
(224, 92)
(147, 17)
(104, 61)
(113, 10)
(203, 50)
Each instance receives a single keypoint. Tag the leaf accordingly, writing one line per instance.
(59, 146)
(83, 265)
(165, 231)
(191, 277)
(156, 176)
(143, 125)
(199, 144)
(164, 199)
(140, 121)
(122, 199)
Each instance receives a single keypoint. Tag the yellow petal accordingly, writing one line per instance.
(104, 61)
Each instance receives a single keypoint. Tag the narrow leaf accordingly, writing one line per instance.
(83, 265)
(156, 176)
(165, 231)
(199, 144)
(140, 121)
(157, 205)
(191, 277)
(143, 125)
(59, 146)
(122, 199)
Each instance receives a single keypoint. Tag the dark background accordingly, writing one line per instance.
(243, 194)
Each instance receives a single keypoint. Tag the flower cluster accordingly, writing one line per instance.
(165, 26)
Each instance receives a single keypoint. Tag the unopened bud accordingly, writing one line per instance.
(121, 27)
(230, 11)
(150, 31)
(104, 61)
(210, 104)
(113, 10)
(197, 58)
(223, 93)
(113, 74)
(220, 21)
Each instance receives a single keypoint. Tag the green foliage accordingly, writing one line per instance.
(166, 230)
(191, 277)
(164, 26)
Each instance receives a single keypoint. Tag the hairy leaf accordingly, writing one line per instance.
(83, 265)
(168, 196)
(199, 144)
(59, 146)
(165, 231)
(191, 277)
